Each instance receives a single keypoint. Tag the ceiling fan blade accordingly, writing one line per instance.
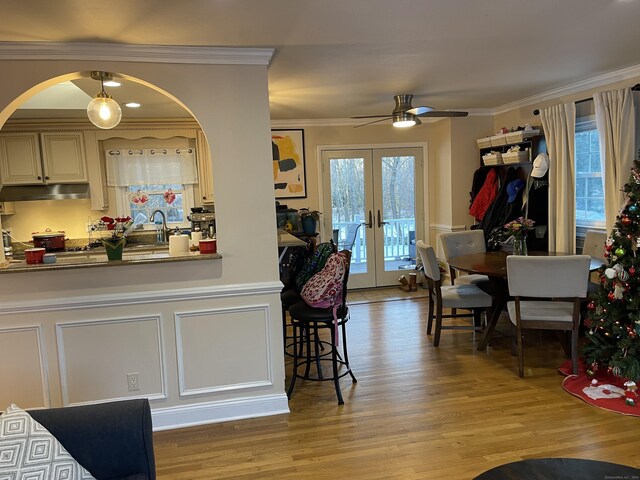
(371, 116)
(443, 113)
(375, 121)
(419, 110)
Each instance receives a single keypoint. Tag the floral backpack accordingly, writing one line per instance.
(324, 289)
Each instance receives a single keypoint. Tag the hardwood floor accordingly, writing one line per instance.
(417, 412)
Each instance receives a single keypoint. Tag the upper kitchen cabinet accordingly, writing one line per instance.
(204, 168)
(59, 157)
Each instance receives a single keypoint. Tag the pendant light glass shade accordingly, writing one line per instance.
(103, 111)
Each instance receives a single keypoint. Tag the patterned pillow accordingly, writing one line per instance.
(29, 451)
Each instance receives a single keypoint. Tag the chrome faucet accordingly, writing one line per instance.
(165, 230)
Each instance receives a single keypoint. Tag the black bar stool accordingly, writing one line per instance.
(310, 347)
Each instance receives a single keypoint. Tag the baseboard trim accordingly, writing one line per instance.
(215, 412)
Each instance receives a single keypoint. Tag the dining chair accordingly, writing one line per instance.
(462, 243)
(309, 347)
(547, 292)
(463, 296)
(594, 242)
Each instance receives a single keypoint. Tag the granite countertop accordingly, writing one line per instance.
(98, 259)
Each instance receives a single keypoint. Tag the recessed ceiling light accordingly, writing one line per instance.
(112, 83)
(132, 105)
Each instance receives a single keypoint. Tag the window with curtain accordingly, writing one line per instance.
(153, 179)
(590, 211)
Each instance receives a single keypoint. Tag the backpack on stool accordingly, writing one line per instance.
(324, 289)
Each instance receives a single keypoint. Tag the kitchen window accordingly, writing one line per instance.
(146, 180)
(589, 180)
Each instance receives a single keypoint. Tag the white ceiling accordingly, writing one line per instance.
(337, 58)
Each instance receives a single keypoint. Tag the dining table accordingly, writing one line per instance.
(493, 264)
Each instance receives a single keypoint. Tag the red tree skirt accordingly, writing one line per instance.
(609, 388)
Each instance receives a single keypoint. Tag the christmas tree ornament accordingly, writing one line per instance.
(624, 276)
(616, 371)
(610, 273)
(611, 296)
(633, 208)
(591, 305)
(618, 291)
(626, 221)
(630, 394)
(632, 271)
(620, 252)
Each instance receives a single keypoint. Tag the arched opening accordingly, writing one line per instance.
(53, 115)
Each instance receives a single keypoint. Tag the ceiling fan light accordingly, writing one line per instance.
(405, 120)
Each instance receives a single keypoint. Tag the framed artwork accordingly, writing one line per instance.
(289, 176)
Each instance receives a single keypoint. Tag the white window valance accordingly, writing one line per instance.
(151, 166)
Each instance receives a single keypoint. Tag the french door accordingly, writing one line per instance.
(373, 203)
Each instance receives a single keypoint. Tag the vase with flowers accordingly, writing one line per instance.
(119, 228)
(518, 229)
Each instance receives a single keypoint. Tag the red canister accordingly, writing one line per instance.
(208, 245)
(34, 255)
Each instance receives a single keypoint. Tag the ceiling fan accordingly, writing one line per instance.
(405, 115)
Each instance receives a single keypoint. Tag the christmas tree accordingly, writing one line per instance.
(613, 313)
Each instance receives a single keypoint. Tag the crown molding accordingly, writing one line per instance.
(572, 89)
(135, 53)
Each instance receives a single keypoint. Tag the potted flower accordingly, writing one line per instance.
(309, 218)
(120, 228)
(518, 229)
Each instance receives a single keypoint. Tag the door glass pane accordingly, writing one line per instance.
(398, 201)
(348, 209)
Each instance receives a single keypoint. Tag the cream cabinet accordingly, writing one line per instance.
(205, 170)
(51, 157)
(7, 208)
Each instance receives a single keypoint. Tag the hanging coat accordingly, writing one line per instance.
(485, 196)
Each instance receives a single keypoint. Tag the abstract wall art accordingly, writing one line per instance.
(288, 163)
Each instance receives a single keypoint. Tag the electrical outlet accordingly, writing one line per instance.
(133, 381)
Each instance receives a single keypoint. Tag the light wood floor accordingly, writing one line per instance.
(417, 412)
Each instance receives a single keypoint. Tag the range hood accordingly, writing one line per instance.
(63, 191)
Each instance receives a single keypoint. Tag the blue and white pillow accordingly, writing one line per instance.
(29, 451)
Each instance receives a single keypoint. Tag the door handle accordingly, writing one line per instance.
(369, 224)
(380, 222)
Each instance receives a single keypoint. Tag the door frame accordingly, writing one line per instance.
(324, 227)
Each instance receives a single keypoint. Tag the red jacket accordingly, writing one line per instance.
(485, 196)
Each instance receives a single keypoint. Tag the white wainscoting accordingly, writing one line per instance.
(89, 369)
(223, 349)
(24, 378)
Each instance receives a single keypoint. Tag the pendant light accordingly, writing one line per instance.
(103, 111)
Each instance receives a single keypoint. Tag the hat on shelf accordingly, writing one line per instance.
(513, 188)
(540, 166)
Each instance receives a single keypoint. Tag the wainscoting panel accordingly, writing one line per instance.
(223, 349)
(96, 358)
(23, 381)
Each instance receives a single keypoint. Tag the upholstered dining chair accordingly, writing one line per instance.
(465, 296)
(547, 292)
(593, 246)
(462, 243)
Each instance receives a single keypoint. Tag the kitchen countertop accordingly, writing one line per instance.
(98, 259)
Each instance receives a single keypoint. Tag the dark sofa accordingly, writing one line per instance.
(114, 440)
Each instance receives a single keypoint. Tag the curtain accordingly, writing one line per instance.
(151, 166)
(615, 117)
(559, 124)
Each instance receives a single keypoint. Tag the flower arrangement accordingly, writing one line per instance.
(119, 228)
(519, 227)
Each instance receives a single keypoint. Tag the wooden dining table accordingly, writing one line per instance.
(494, 265)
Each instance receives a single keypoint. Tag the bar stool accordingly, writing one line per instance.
(308, 323)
